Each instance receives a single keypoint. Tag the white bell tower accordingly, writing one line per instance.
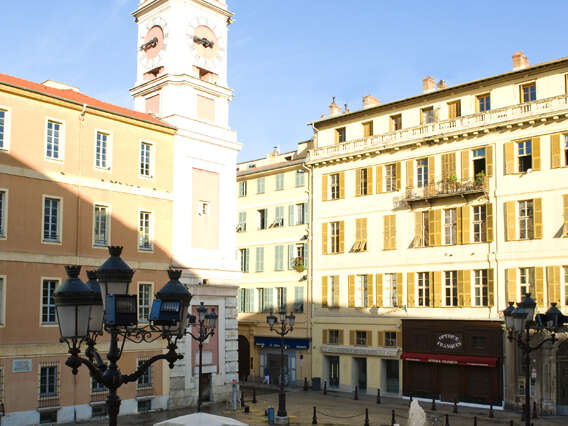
(182, 79)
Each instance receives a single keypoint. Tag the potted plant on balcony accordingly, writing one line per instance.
(453, 183)
(480, 178)
(299, 264)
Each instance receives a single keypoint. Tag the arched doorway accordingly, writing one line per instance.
(244, 358)
(562, 379)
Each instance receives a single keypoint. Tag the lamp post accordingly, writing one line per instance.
(80, 311)
(286, 326)
(207, 322)
(519, 323)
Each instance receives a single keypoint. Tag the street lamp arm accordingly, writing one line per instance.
(94, 356)
(75, 360)
(171, 356)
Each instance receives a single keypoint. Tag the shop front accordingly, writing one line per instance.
(453, 360)
(269, 357)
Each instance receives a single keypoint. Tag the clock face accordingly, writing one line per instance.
(206, 44)
(153, 44)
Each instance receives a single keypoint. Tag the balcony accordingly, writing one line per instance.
(443, 129)
(447, 188)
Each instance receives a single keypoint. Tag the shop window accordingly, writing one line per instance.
(451, 288)
(479, 342)
(524, 151)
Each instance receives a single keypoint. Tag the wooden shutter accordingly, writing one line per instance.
(324, 337)
(435, 228)
(358, 182)
(490, 287)
(555, 151)
(340, 338)
(460, 289)
(336, 291)
(459, 221)
(352, 337)
(379, 179)
(291, 215)
(465, 224)
(445, 167)
(386, 233)
(341, 235)
(418, 231)
(466, 288)
(511, 279)
(465, 165)
(379, 288)
(399, 289)
(565, 208)
(511, 219)
(381, 338)
(370, 180)
(370, 290)
(324, 188)
(410, 289)
(537, 218)
(489, 161)
(431, 171)
(436, 293)
(342, 185)
(489, 222)
(553, 273)
(399, 338)
(509, 158)
(369, 338)
(392, 232)
(324, 238)
(364, 232)
(398, 175)
(409, 174)
(535, 153)
(539, 286)
(324, 292)
(351, 291)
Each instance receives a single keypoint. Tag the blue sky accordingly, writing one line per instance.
(288, 58)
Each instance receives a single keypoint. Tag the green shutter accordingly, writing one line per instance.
(290, 256)
(247, 257)
(291, 215)
(306, 213)
(259, 261)
(306, 253)
(299, 299)
(278, 258)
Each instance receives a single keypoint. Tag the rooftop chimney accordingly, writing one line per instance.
(442, 84)
(334, 108)
(428, 84)
(61, 86)
(520, 61)
(346, 110)
(370, 101)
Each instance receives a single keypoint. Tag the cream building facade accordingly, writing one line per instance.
(429, 214)
(273, 248)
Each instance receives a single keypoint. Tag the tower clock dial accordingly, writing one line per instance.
(153, 44)
(206, 44)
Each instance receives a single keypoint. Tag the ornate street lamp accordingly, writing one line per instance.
(519, 323)
(82, 307)
(207, 322)
(286, 326)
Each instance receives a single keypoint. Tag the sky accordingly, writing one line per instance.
(288, 58)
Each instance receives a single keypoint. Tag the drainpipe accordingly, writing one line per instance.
(311, 258)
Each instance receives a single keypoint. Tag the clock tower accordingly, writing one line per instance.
(182, 79)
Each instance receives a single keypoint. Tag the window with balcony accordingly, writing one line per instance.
(391, 178)
(427, 115)
(527, 280)
(334, 186)
(479, 224)
(367, 129)
(361, 291)
(451, 288)
(454, 109)
(262, 219)
(423, 289)
(526, 220)
(524, 153)
(483, 102)
(422, 172)
(528, 92)
(479, 163)
(450, 226)
(395, 122)
(340, 135)
(480, 287)
(389, 290)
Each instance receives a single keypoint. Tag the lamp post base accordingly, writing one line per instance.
(281, 420)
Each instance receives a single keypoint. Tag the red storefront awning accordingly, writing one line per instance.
(476, 361)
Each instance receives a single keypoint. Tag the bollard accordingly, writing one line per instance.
(378, 395)
(433, 408)
(447, 420)
(367, 417)
(410, 400)
(355, 394)
(242, 398)
(234, 394)
(474, 420)
(325, 388)
(247, 409)
(305, 383)
(315, 417)
(393, 421)
(455, 405)
(254, 395)
(491, 413)
(534, 411)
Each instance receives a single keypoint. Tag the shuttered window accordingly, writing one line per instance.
(423, 287)
(390, 290)
(300, 178)
(244, 255)
(451, 288)
(454, 109)
(361, 291)
(279, 258)
(279, 182)
(334, 186)
(243, 188)
(360, 243)
(450, 226)
(242, 225)
(368, 129)
(389, 225)
(259, 260)
(422, 172)
(480, 288)
(565, 214)
(333, 244)
(479, 224)
(526, 281)
(395, 122)
(422, 229)
(565, 280)
(2, 215)
(340, 135)
(391, 177)
(260, 184)
(526, 214)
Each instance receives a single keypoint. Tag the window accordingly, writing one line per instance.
(367, 129)
(301, 250)
(282, 298)
(242, 225)
(334, 186)
(361, 338)
(479, 224)
(454, 109)
(146, 159)
(300, 178)
(54, 140)
(102, 149)
(450, 226)
(2, 315)
(390, 338)
(333, 237)
(246, 300)
(340, 135)
(144, 301)
(3, 215)
(395, 122)
(265, 299)
(480, 289)
(483, 102)
(259, 265)
(361, 291)
(144, 405)
(527, 280)
(427, 115)
(525, 155)
(333, 337)
(566, 285)
(278, 217)
(100, 226)
(479, 156)
(526, 221)
(390, 178)
(389, 290)
(363, 178)
(423, 289)
(251, 166)
(566, 150)
(244, 256)
(528, 92)
(96, 386)
(145, 380)
(279, 182)
(422, 172)
(48, 315)
(260, 185)
(243, 188)
(333, 291)
(422, 238)
(48, 417)
(299, 299)
(360, 243)
(48, 386)
(262, 219)
(279, 258)
(451, 288)
(144, 230)
(301, 214)
(3, 129)
(51, 219)
(99, 410)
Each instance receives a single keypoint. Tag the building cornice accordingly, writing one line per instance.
(265, 170)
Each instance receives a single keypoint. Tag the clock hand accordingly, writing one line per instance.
(203, 41)
(149, 44)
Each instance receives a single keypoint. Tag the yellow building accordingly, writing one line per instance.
(430, 213)
(272, 241)
(76, 175)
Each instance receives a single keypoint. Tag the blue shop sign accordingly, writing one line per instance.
(274, 342)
